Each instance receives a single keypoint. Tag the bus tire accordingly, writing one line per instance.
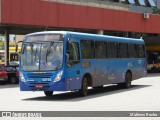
(48, 93)
(128, 80)
(84, 88)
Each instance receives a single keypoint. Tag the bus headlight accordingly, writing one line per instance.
(58, 77)
(22, 77)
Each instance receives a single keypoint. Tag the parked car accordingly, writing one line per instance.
(14, 63)
(3, 74)
(12, 73)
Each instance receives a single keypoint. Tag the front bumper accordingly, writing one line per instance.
(47, 86)
(3, 79)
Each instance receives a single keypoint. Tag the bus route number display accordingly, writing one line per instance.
(46, 37)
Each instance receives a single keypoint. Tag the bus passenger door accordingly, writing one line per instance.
(73, 66)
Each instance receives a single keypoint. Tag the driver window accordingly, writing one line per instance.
(72, 53)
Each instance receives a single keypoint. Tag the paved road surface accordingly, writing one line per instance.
(144, 95)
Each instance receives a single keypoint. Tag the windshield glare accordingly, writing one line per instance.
(41, 56)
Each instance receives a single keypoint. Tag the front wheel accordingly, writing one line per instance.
(84, 89)
(48, 93)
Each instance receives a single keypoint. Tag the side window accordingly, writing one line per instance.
(100, 50)
(132, 50)
(87, 48)
(72, 53)
(112, 50)
(123, 50)
(141, 51)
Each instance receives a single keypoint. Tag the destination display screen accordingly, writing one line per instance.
(43, 37)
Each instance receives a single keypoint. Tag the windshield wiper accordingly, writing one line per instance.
(49, 48)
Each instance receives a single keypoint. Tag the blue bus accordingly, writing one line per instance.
(65, 61)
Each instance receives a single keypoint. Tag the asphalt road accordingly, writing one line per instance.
(142, 96)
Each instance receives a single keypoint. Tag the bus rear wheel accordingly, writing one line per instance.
(48, 93)
(84, 89)
(128, 80)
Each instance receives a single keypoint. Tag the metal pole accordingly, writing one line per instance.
(6, 47)
(101, 32)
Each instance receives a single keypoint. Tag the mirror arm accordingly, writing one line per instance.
(17, 45)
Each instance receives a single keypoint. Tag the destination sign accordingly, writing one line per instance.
(43, 37)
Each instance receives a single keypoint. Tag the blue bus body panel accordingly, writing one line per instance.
(113, 71)
(73, 77)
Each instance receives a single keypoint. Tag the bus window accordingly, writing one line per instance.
(141, 53)
(101, 49)
(87, 48)
(72, 53)
(123, 50)
(132, 50)
(112, 50)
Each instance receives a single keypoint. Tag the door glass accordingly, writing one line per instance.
(72, 54)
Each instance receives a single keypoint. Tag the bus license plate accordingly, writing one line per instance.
(39, 86)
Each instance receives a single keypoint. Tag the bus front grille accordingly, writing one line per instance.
(40, 75)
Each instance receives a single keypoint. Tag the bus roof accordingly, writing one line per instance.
(88, 36)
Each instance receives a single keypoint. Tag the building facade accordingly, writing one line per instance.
(126, 18)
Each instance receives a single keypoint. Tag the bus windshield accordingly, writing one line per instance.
(41, 56)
